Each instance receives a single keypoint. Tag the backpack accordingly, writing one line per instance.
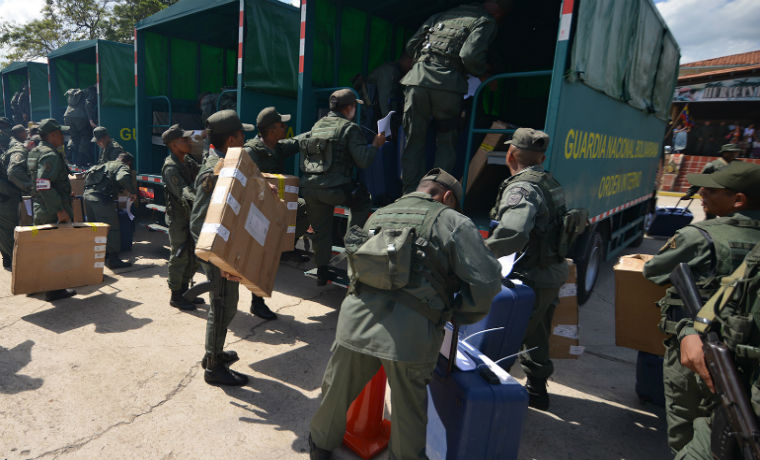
(318, 148)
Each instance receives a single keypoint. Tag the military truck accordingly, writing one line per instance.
(598, 76)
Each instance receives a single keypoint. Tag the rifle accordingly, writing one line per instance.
(737, 409)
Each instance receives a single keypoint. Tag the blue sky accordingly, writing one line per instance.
(704, 28)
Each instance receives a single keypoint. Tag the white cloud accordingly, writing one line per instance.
(708, 29)
(20, 11)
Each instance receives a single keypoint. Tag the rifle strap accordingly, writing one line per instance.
(725, 292)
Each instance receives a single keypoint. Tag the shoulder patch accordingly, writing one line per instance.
(515, 196)
(670, 244)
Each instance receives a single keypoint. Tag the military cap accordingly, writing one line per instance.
(227, 121)
(529, 139)
(99, 133)
(730, 148)
(269, 116)
(5, 123)
(738, 176)
(48, 125)
(18, 129)
(447, 180)
(174, 132)
(342, 98)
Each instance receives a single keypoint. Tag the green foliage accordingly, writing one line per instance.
(64, 21)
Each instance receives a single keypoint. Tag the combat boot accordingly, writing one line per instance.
(7, 262)
(113, 262)
(538, 397)
(226, 357)
(260, 309)
(217, 373)
(59, 294)
(197, 300)
(323, 275)
(178, 301)
(317, 453)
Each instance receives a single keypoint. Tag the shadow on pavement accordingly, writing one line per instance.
(640, 435)
(11, 361)
(107, 312)
(258, 397)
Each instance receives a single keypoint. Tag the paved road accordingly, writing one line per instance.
(114, 373)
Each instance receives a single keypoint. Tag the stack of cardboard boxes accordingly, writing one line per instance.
(245, 225)
(287, 190)
(564, 343)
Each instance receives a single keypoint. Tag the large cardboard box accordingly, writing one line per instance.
(77, 184)
(564, 342)
(49, 257)
(287, 189)
(480, 159)
(245, 224)
(636, 310)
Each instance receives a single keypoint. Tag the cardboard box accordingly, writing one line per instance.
(25, 211)
(245, 224)
(77, 184)
(49, 257)
(480, 159)
(636, 310)
(564, 342)
(287, 189)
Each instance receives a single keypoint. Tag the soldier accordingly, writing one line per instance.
(728, 153)
(384, 85)
(269, 150)
(225, 130)
(5, 133)
(109, 148)
(76, 117)
(51, 194)
(529, 209)
(20, 106)
(446, 48)
(14, 183)
(330, 152)
(402, 329)
(712, 249)
(103, 183)
(179, 173)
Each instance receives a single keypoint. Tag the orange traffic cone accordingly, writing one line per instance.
(367, 433)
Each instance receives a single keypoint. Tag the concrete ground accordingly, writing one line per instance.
(114, 373)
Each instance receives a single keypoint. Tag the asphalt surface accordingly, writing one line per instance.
(114, 373)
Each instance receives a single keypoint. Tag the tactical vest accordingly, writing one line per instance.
(101, 179)
(445, 39)
(34, 158)
(323, 151)
(174, 204)
(8, 188)
(544, 246)
(730, 240)
(407, 253)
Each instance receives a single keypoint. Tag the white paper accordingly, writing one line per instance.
(100, 264)
(568, 290)
(28, 205)
(569, 331)
(292, 205)
(577, 350)
(218, 196)
(101, 239)
(472, 85)
(234, 172)
(291, 189)
(463, 361)
(100, 255)
(257, 225)
(291, 229)
(218, 229)
(507, 264)
(129, 209)
(384, 124)
(100, 248)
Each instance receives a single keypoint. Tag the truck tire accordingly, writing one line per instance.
(589, 265)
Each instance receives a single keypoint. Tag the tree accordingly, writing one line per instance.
(127, 13)
(64, 21)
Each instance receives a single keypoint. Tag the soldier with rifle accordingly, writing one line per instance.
(712, 249)
(727, 362)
